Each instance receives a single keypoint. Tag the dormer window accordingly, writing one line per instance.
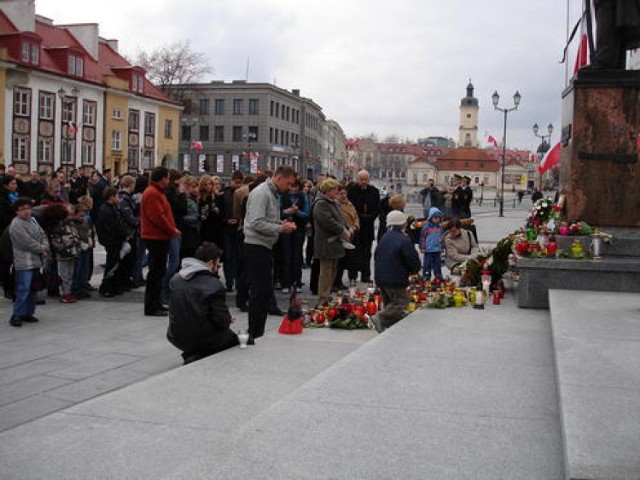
(75, 66)
(137, 83)
(30, 53)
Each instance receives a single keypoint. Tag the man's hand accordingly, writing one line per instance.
(232, 221)
(288, 227)
(177, 233)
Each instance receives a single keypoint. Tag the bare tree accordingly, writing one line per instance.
(175, 63)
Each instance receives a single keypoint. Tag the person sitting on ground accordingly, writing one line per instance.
(199, 319)
(460, 245)
(395, 260)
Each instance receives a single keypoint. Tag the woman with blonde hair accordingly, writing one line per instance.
(211, 209)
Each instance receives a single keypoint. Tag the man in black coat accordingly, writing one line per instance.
(366, 199)
(199, 319)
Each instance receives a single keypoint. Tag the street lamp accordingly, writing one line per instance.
(544, 147)
(67, 118)
(495, 98)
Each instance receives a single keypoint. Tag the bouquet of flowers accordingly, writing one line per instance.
(543, 212)
(575, 228)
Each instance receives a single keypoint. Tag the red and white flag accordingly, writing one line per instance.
(491, 139)
(196, 145)
(72, 127)
(582, 57)
(551, 159)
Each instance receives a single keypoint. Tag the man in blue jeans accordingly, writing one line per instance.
(262, 227)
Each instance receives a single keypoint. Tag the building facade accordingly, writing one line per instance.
(254, 126)
(69, 99)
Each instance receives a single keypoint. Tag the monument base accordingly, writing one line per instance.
(539, 275)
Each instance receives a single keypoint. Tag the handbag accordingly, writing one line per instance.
(290, 327)
(38, 282)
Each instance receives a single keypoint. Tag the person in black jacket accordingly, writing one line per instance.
(199, 319)
(366, 199)
(396, 260)
(112, 233)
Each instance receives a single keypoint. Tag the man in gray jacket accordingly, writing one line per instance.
(262, 226)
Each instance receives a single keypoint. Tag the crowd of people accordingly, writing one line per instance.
(260, 230)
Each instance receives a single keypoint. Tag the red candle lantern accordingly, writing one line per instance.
(496, 297)
(372, 306)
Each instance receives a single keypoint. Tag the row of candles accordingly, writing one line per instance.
(423, 294)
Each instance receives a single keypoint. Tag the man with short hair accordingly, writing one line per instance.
(366, 199)
(157, 227)
(199, 319)
(262, 227)
(231, 231)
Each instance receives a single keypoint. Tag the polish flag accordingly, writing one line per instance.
(582, 57)
(551, 159)
(72, 127)
(196, 145)
(491, 139)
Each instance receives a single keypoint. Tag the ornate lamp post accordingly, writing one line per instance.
(544, 146)
(250, 137)
(67, 123)
(516, 101)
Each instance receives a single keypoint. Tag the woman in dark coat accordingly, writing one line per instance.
(211, 206)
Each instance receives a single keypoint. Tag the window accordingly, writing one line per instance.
(88, 153)
(45, 150)
(116, 140)
(168, 129)
(20, 148)
(68, 151)
(186, 133)
(46, 105)
(253, 134)
(237, 106)
(149, 124)
(237, 134)
(117, 113)
(204, 106)
(288, 113)
(68, 111)
(22, 102)
(271, 106)
(277, 109)
(270, 134)
(25, 56)
(134, 120)
(35, 54)
(204, 133)
(218, 133)
(253, 106)
(132, 158)
(137, 83)
(75, 66)
(89, 113)
(219, 108)
(481, 164)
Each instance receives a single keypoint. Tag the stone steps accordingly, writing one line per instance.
(597, 354)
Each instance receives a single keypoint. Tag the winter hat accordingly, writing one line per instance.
(396, 219)
(434, 212)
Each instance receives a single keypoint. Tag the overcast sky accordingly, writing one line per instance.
(390, 67)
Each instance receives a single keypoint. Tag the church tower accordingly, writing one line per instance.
(468, 119)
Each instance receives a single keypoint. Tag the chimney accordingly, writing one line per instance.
(113, 44)
(87, 35)
(22, 14)
(296, 92)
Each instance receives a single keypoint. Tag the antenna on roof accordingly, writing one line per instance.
(246, 77)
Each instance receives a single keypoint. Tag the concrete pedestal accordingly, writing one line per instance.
(539, 275)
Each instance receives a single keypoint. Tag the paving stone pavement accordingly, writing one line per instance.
(83, 350)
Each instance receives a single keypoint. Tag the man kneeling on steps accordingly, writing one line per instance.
(199, 319)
